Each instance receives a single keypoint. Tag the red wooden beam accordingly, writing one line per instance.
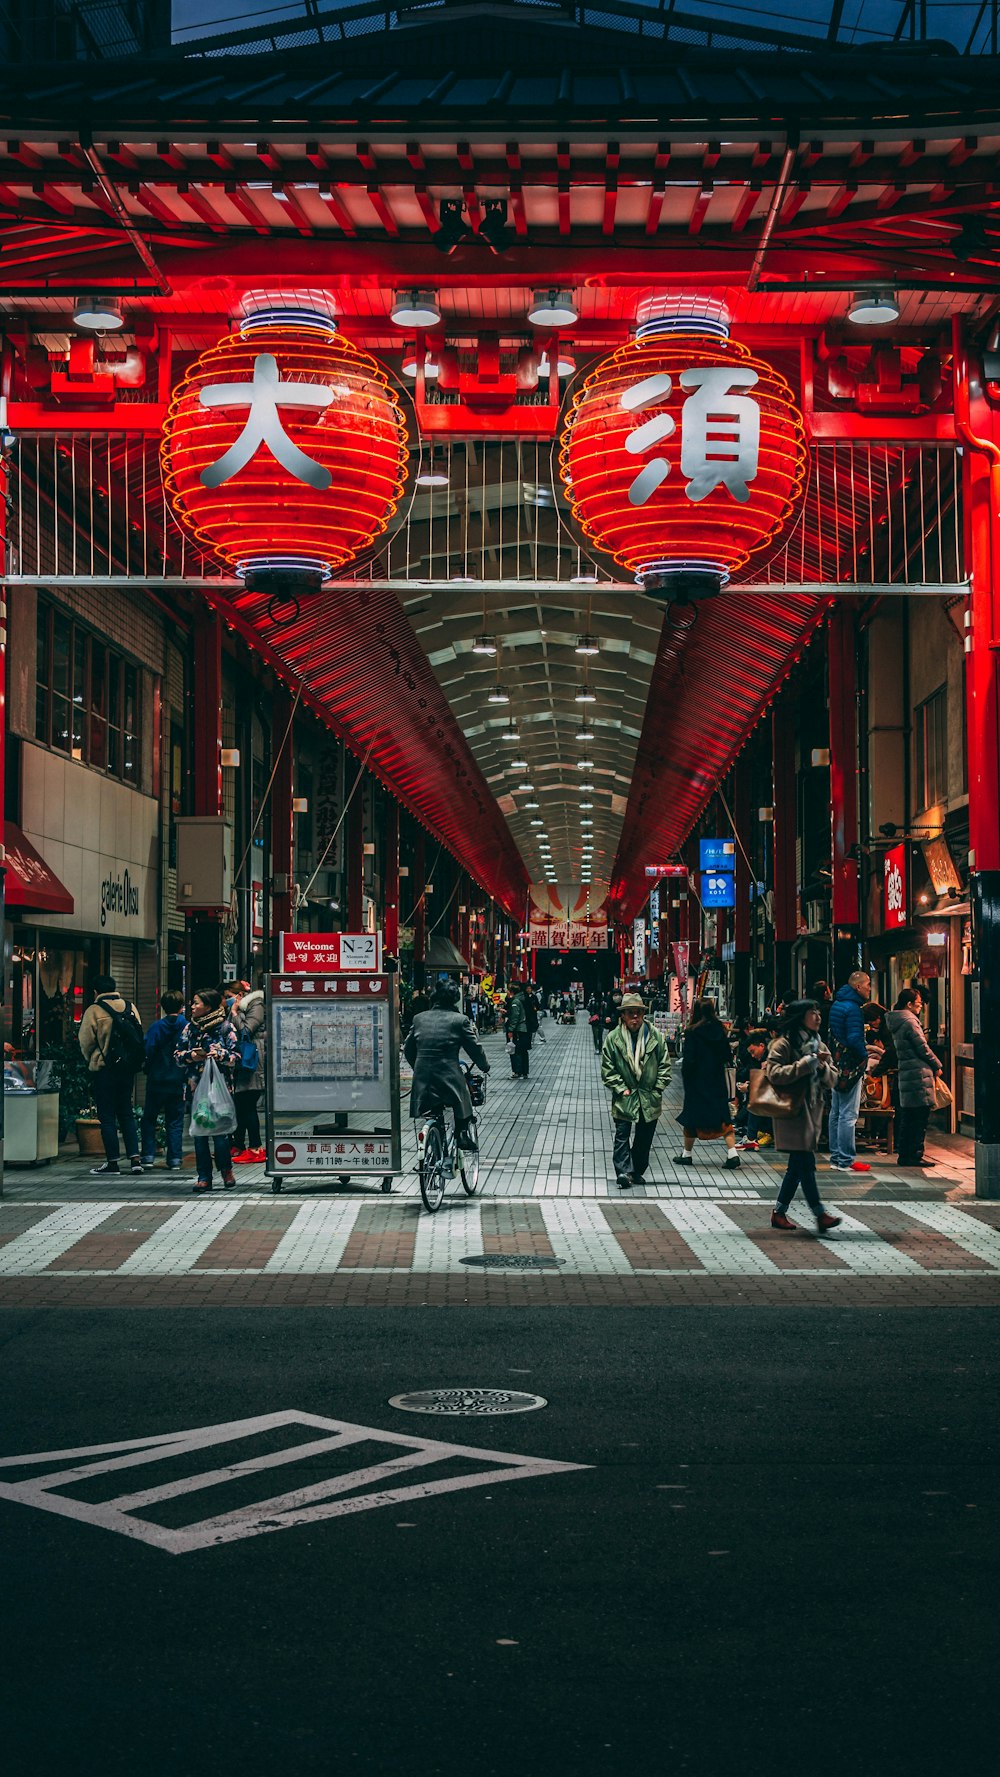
(746, 206)
(198, 202)
(699, 209)
(248, 210)
(290, 203)
(382, 210)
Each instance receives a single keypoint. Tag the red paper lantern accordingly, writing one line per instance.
(284, 450)
(683, 455)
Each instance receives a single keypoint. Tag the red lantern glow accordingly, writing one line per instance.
(683, 455)
(284, 450)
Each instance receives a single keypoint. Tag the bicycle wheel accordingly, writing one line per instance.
(468, 1160)
(432, 1169)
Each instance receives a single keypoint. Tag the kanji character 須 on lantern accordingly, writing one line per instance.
(284, 450)
(682, 455)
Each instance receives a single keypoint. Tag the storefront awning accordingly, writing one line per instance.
(443, 954)
(29, 883)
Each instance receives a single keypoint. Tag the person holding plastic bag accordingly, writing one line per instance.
(208, 1055)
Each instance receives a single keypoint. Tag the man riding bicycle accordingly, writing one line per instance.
(432, 1049)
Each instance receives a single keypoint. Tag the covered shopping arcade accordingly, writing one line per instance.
(490, 213)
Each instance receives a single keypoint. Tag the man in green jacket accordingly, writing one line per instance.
(635, 1068)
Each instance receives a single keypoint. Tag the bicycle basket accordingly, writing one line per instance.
(477, 1088)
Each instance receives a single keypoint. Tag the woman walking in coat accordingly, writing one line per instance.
(432, 1050)
(635, 1068)
(798, 1062)
(705, 1062)
(247, 1015)
(918, 1069)
(210, 1036)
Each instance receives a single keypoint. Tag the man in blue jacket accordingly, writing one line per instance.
(850, 1052)
(164, 1082)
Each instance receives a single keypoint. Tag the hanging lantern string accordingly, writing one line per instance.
(343, 816)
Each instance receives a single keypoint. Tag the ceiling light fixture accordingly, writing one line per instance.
(585, 695)
(531, 804)
(497, 694)
(588, 644)
(586, 805)
(553, 308)
(873, 308)
(510, 734)
(519, 765)
(484, 644)
(433, 472)
(585, 765)
(415, 308)
(411, 364)
(98, 314)
(452, 228)
(585, 733)
(565, 366)
(526, 789)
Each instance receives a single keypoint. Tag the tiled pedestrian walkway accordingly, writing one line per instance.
(550, 1137)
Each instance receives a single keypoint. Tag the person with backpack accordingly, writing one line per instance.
(114, 1048)
(164, 1082)
(247, 1015)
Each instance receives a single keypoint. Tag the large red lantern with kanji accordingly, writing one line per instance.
(284, 450)
(682, 455)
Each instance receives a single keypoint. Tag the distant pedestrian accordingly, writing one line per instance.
(799, 1062)
(635, 1068)
(247, 1015)
(209, 1036)
(518, 1032)
(113, 1045)
(750, 1053)
(850, 1055)
(705, 1061)
(594, 1018)
(164, 1082)
(822, 993)
(919, 1067)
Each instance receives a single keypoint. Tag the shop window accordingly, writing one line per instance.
(87, 696)
(931, 728)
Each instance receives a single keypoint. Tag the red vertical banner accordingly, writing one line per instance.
(981, 490)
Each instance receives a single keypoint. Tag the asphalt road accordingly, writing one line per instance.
(782, 1555)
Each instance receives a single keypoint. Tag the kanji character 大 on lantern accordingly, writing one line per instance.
(284, 450)
(682, 455)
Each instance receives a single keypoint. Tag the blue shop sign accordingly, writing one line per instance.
(717, 854)
(718, 889)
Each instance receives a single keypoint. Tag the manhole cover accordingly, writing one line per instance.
(511, 1262)
(467, 1402)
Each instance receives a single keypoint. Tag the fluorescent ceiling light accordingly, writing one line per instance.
(510, 734)
(98, 314)
(585, 695)
(497, 694)
(415, 308)
(587, 644)
(873, 308)
(484, 645)
(553, 308)
(585, 765)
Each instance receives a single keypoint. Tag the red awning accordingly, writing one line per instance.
(29, 881)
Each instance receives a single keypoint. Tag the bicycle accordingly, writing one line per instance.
(439, 1155)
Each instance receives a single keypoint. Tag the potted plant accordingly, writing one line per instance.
(76, 1097)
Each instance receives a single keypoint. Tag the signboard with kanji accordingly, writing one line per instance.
(574, 935)
(333, 1074)
(717, 854)
(718, 889)
(326, 953)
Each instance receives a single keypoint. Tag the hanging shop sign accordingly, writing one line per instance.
(895, 889)
(941, 866)
(658, 870)
(718, 889)
(683, 456)
(717, 854)
(329, 953)
(567, 935)
(639, 946)
(682, 960)
(284, 450)
(332, 1102)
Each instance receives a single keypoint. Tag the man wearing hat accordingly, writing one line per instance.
(635, 1068)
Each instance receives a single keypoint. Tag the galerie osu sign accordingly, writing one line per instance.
(682, 454)
(285, 449)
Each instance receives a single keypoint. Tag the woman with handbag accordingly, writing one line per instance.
(919, 1068)
(210, 1036)
(797, 1069)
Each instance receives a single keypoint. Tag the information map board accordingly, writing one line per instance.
(333, 1074)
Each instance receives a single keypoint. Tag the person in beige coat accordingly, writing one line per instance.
(799, 1063)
